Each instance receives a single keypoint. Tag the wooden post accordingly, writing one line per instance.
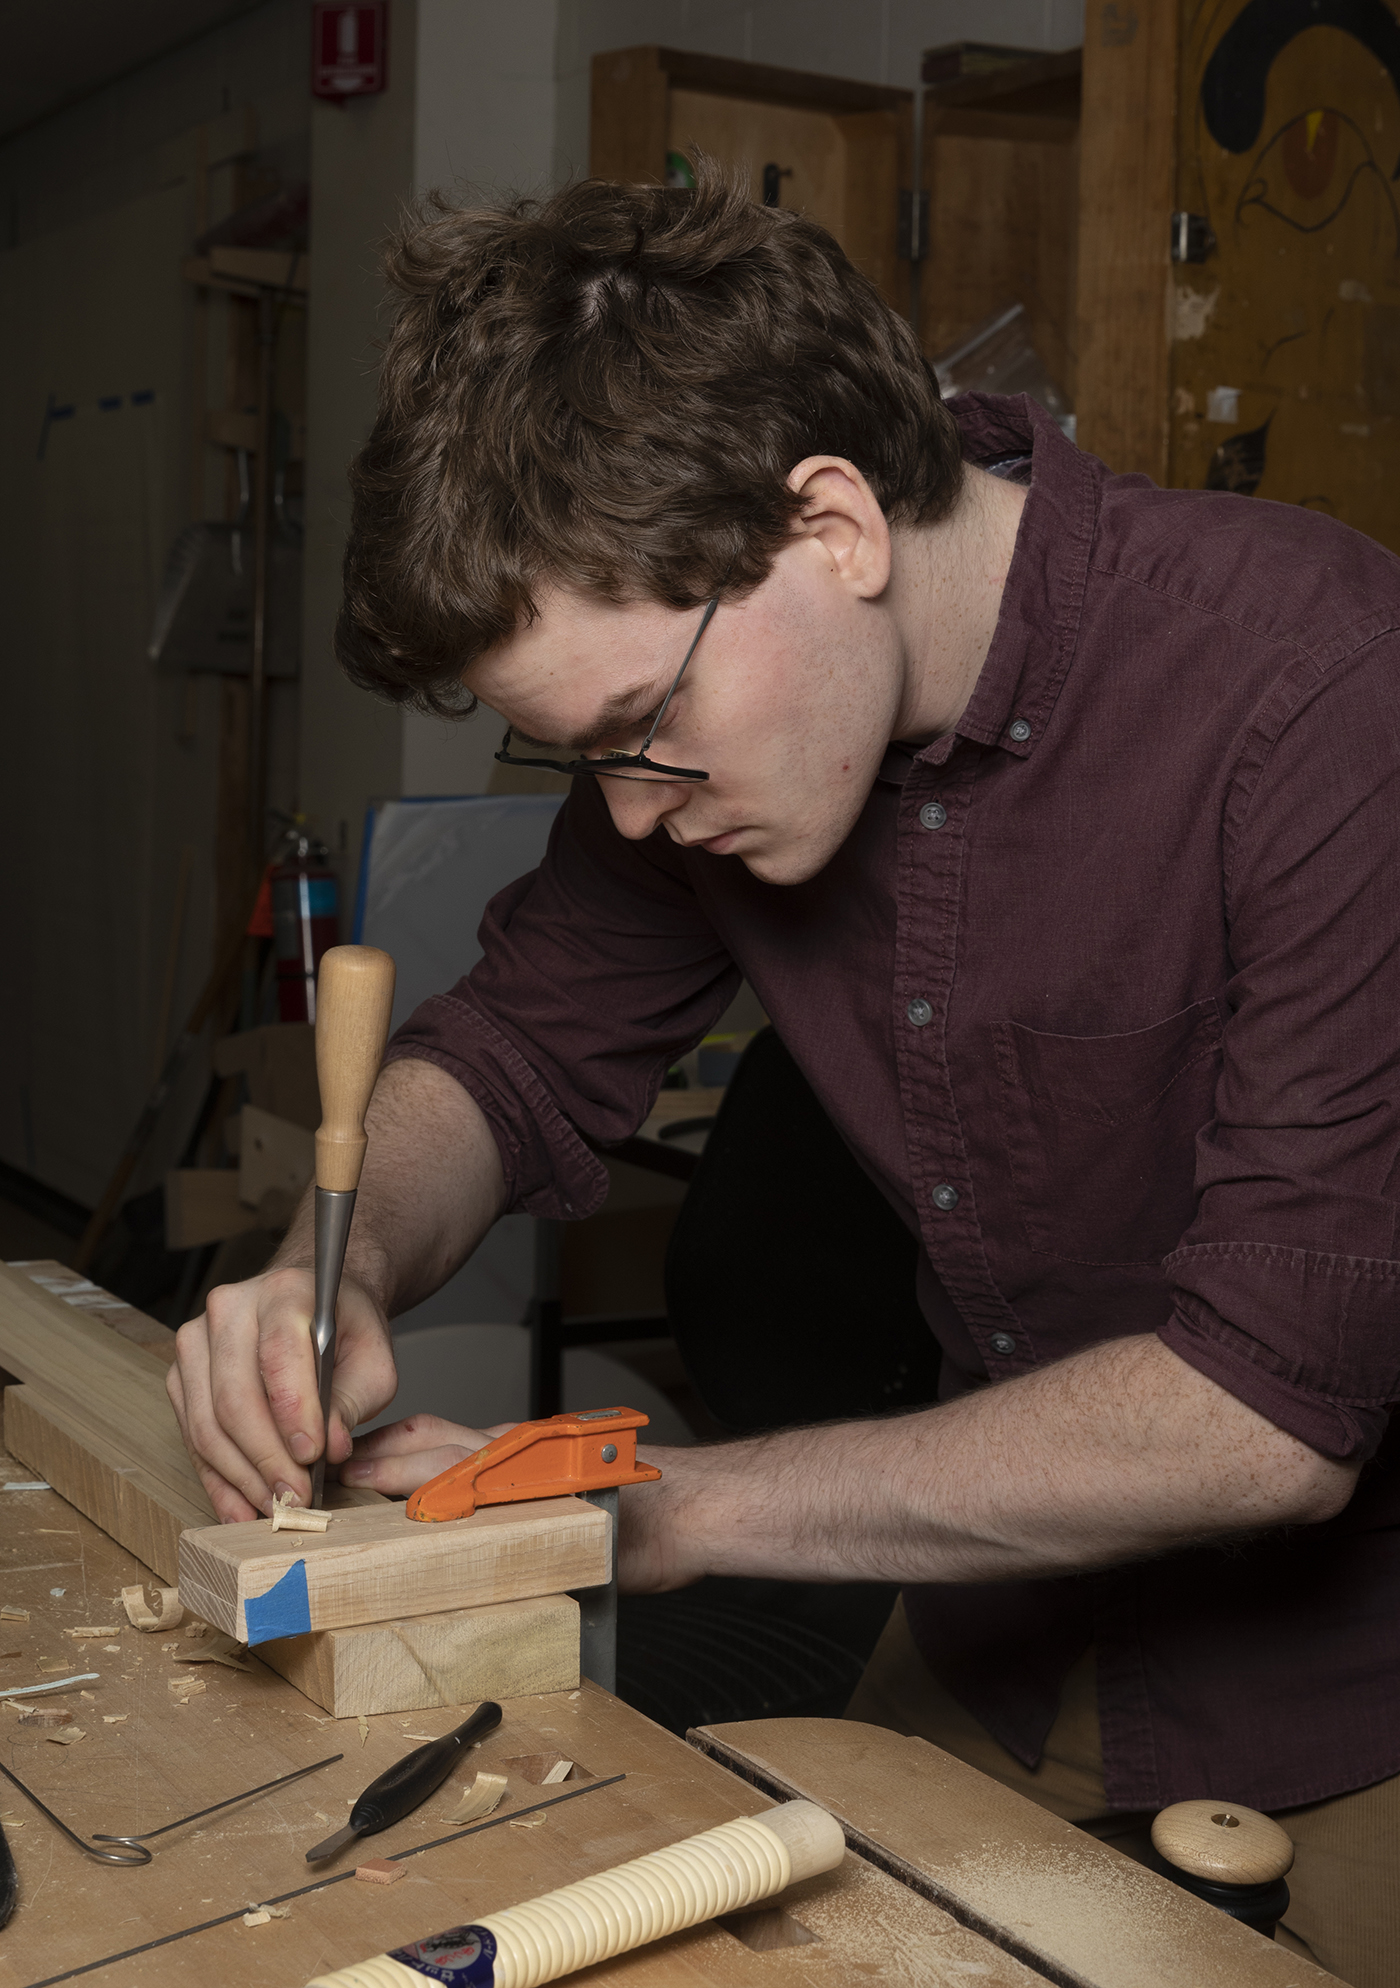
(1127, 186)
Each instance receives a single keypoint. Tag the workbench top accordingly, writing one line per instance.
(149, 1756)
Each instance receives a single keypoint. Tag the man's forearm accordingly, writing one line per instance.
(432, 1186)
(1116, 1453)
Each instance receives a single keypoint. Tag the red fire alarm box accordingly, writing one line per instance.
(348, 50)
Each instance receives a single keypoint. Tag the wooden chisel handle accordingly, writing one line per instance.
(354, 998)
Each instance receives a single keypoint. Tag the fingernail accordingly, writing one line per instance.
(286, 1493)
(302, 1447)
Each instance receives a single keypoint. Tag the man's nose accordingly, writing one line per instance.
(637, 806)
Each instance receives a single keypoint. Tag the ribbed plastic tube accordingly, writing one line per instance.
(723, 1870)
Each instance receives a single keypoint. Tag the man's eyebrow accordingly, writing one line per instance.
(623, 706)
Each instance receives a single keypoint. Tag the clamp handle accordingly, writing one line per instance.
(553, 1458)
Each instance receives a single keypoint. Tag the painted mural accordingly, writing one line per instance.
(1286, 338)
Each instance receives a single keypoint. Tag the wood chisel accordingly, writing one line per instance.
(354, 999)
(410, 1781)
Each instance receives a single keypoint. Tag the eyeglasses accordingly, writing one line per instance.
(626, 765)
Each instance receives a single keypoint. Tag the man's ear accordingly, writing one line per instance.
(840, 513)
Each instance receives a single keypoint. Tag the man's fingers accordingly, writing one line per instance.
(239, 1419)
(365, 1377)
(401, 1472)
(236, 1488)
(418, 1432)
(286, 1362)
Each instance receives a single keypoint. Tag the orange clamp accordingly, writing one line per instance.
(588, 1451)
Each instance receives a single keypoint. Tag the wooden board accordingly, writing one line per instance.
(159, 1760)
(1126, 177)
(90, 1299)
(508, 1649)
(1071, 1907)
(375, 1564)
(94, 1419)
(1286, 358)
(202, 1205)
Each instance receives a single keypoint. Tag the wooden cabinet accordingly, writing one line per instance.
(838, 150)
(1001, 173)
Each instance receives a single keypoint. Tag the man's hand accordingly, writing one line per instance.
(397, 1459)
(243, 1385)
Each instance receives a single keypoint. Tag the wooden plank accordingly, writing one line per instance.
(1070, 1907)
(95, 1420)
(375, 1564)
(161, 1759)
(725, 76)
(92, 1472)
(628, 116)
(508, 1649)
(90, 1299)
(1127, 171)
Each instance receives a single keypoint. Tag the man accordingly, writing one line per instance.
(1053, 819)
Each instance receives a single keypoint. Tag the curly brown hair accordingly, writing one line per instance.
(607, 390)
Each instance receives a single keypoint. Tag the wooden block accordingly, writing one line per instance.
(115, 1313)
(507, 1649)
(279, 1062)
(93, 1419)
(376, 1564)
(1071, 1908)
(202, 1206)
(273, 1155)
(380, 1870)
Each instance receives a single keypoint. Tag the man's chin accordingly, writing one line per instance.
(786, 866)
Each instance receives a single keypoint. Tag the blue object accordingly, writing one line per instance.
(285, 1610)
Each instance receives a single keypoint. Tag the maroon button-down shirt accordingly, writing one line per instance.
(1116, 1028)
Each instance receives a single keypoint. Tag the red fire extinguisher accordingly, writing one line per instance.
(305, 921)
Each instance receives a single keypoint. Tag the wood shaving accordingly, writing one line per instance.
(259, 1915)
(113, 1718)
(364, 1729)
(8, 1653)
(287, 1517)
(186, 1687)
(479, 1799)
(560, 1771)
(9, 1614)
(529, 1821)
(167, 1614)
(221, 1650)
(66, 1735)
(79, 1635)
(53, 1663)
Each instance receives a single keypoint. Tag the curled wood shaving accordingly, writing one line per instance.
(66, 1735)
(364, 1729)
(560, 1771)
(220, 1649)
(259, 1915)
(287, 1517)
(528, 1821)
(480, 1799)
(167, 1614)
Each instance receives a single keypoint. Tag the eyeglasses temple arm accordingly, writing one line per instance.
(705, 621)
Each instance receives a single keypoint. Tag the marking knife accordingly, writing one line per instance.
(354, 998)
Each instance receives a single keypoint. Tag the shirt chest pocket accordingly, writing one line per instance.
(1100, 1133)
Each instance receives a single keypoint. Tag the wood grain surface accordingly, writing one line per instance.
(374, 1563)
(160, 1758)
(1077, 1911)
(508, 1649)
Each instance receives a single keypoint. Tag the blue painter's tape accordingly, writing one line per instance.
(284, 1610)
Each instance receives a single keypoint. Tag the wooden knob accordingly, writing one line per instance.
(354, 999)
(1223, 1842)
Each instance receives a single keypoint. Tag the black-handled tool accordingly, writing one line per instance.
(401, 1788)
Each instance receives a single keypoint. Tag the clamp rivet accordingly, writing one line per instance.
(609, 1453)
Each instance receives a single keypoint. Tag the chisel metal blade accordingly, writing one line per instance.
(332, 1844)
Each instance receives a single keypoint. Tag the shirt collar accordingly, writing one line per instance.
(1038, 625)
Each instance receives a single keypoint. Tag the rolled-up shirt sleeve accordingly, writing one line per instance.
(599, 970)
(1287, 1284)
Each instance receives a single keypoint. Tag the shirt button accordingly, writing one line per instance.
(946, 1198)
(932, 815)
(1003, 1343)
(1020, 730)
(919, 1012)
